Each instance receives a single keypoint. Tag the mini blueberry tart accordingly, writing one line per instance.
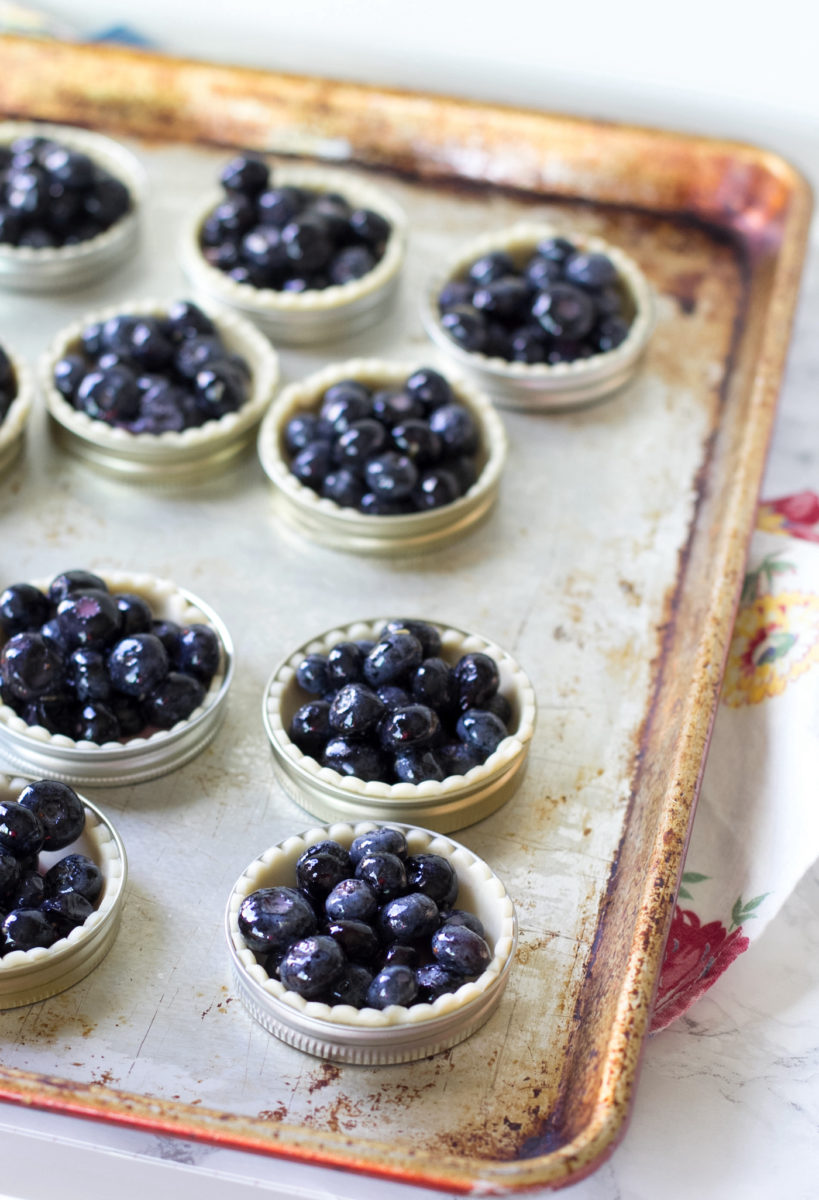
(310, 255)
(430, 976)
(108, 678)
(16, 396)
(541, 320)
(70, 206)
(159, 391)
(61, 900)
(400, 719)
(382, 457)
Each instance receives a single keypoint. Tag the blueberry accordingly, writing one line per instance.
(168, 633)
(11, 226)
(319, 870)
(264, 247)
(109, 395)
(407, 728)
(311, 966)
(378, 506)
(590, 270)
(66, 912)
(351, 263)
(107, 202)
(396, 408)
(343, 487)
(55, 714)
(26, 929)
(555, 249)
(185, 320)
(393, 697)
(476, 679)
(400, 954)
(351, 986)
(75, 873)
(355, 758)
(490, 267)
(135, 613)
(87, 675)
(345, 403)
(610, 333)
(71, 583)
(138, 664)
(426, 634)
(219, 389)
(418, 765)
(173, 700)
(506, 297)
(307, 242)
(383, 840)
(303, 429)
(500, 706)
(23, 608)
(409, 918)
(271, 918)
(460, 950)
(481, 730)
(456, 427)
(434, 981)
(30, 891)
(360, 441)
(391, 475)
(564, 311)
(68, 374)
(355, 710)
(370, 227)
(278, 206)
(414, 439)
(356, 938)
(345, 664)
(459, 917)
(435, 487)
(455, 293)
(10, 877)
(428, 386)
(96, 723)
(30, 667)
(392, 985)
(197, 652)
(432, 684)
(384, 872)
(540, 271)
(128, 714)
(466, 327)
(310, 466)
(197, 352)
(311, 674)
(529, 344)
(21, 830)
(393, 659)
(351, 900)
(434, 876)
(247, 173)
(27, 194)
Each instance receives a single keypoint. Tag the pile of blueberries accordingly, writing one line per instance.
(393, 710)
(290, 239)
(37, 905)
(386, 452)
(369, 926)
(8, 384)
(94, 665)
(154, 374)
(558, 305)
(51, 195)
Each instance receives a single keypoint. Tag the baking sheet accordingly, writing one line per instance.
(609, 570)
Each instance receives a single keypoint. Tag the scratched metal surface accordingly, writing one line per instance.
(572, 574)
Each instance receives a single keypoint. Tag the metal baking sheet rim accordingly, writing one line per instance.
(583, 1154)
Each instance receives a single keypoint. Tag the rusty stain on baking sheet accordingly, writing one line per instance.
(722, 228)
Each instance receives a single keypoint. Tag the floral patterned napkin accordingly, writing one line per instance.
(756, 829)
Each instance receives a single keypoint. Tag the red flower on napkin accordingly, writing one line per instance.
(695, 956)
(796, 515)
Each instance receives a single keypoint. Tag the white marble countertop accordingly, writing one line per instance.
(727, 1106)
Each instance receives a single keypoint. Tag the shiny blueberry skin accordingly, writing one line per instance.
(30, 891)
(351, 900)
(362, 440)
(466, 326)
(354, 758)
(490, 267)
(590, 270)
(435, 488)
(564, 311)
(409, 918)
(351, 986)
(23, 607)
(10, 877)
(481, 730)
(427, 634)
(433, 684)
(430, 387)
(345, 664)
(370, 226)
(219, 389)
(507, 297)
(456, 427)
(74, 873)
(135, 614)
(59, 810)
(414, 439)
(87, 675)
(393, 408)
(70, 583)
(310, 728)
(610, 333)
(303, 429)
(459, 916)
(271, 918)
(30, 666)
(96, 722)
(343, 487)
(310, 466)
(500, 706)
(246, 173)
(66, 911)
(173, 700)
(21, 831)
(26, 929)
(393, 697)
(138, 664)
(556, 249)
(312, 965)
(458, 949)
(434, 981)
(434, 876)
(355, 710)
(476, 678)
(109, 395)
(344, 405)
(88, 618)
(412, 727)
(382, 840)
(418, 766)
(185, 320)
(393, 659)
(384, 872)
(391, 476)
(197, 652)
(311, 674)
(354, 262)
(278, 206)
(357, 939)
(529, 344)
(319, 870)
(392, 985)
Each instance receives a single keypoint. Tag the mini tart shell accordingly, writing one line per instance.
(370, 1036)
(13, 425)
(341, 528)
(24, 268)
(32, 749)
(322, 315)
(456, 802)
(165, 457)
(540, 387)
(32, 975)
